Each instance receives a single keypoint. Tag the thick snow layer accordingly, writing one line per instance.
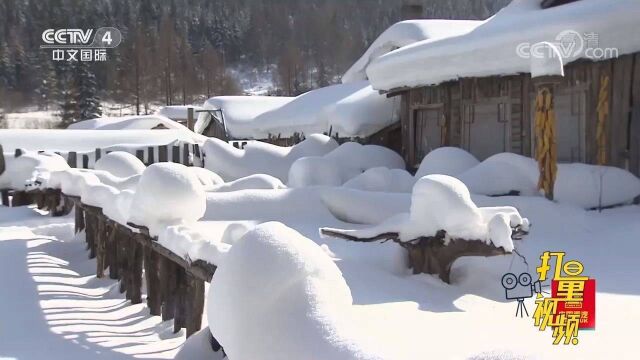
(136, 122)
(342, 164)
(382, 179)
(404, 33)
(261, 158)
(177, 112)
(208, 178)
(442, 202)
(120, 164)
(167, 194)
(238, 112)
(24, 168)
(583, 185)
(257, 181)
(346, 110)
(549, 63)
(490, 49)
(89, 140)
(446, 161)
(275, 276)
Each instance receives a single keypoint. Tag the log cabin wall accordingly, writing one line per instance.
(495, 114)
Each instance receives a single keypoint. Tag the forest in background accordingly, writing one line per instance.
(183, 51)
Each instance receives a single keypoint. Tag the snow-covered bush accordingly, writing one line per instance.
(168, 194)
(261, 158)
(120, 163)
(382, 179)
(257, 181)
(275, 276)
(446, 161)
(24, 168)
(342, 164)
(208, 178)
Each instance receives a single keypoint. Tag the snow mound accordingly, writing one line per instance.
(22, 170)
(136, 122)
(346, 110)
(273, 275)
(446, 161)
(591, 186)
(502, 174)
(168, 194)
(120, 163)
(442, 202)
(402, 34)
(257, 181)
(261, 158)
(583, 185)
(342, 164)
(382, 179)
(207, 178)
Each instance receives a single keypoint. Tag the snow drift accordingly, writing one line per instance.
(261, 158)
(273, 275)
(120, 163)
(342, 164)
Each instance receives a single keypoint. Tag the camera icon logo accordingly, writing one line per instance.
(519, 288)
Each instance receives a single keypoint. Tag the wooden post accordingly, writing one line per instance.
(135, 268)
(85, 161)
(190, 118)
(179, 320)
(3, 166)
(123, 261)
(140, 155)
(20, 198)
(175, 154)
(98, 154)
(100, 247)
(194, 304)
(72, 159)
(79, 219)
(112, 251)
(150, 156)
(168, 281)
(163, 153)
(90, 233)
(5, 197)
(185, 155)
(154, 301)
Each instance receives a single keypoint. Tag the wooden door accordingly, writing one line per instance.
(486, 127)
(429, 131)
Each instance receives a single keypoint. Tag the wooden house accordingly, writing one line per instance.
(488, 113)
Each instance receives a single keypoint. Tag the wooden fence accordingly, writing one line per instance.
(175, 286)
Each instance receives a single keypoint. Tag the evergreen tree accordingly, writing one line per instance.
(87, 100)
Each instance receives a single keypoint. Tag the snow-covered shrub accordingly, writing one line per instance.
(208, 178)
(446, 161)
(501, 174)
(168, 194)
(342, 164)
(120, 163)
(257, 181)
(25, 168)
(382, 179)
(275, 276)
(261, 158)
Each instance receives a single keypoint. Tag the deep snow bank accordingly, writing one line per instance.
(344, 163)
(276, 277)
(24, 168)
(167, 194)
(120, 163)
(261, 158)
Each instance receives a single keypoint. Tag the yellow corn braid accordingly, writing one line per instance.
(546, 150)
(603, 115)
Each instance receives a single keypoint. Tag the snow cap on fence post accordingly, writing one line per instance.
(167, 194)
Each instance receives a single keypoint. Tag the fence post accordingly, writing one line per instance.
(190, 118)
(163, 153)
(175, 154)
(72, 159)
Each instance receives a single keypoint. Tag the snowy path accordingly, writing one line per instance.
(53, 307)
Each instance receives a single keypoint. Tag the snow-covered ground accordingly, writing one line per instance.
(53, 307)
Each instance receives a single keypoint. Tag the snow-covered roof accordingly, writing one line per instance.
(491, 48)
(177, 112)
(402, 34)
(239, 112)
(135, 122)
(351, 109)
